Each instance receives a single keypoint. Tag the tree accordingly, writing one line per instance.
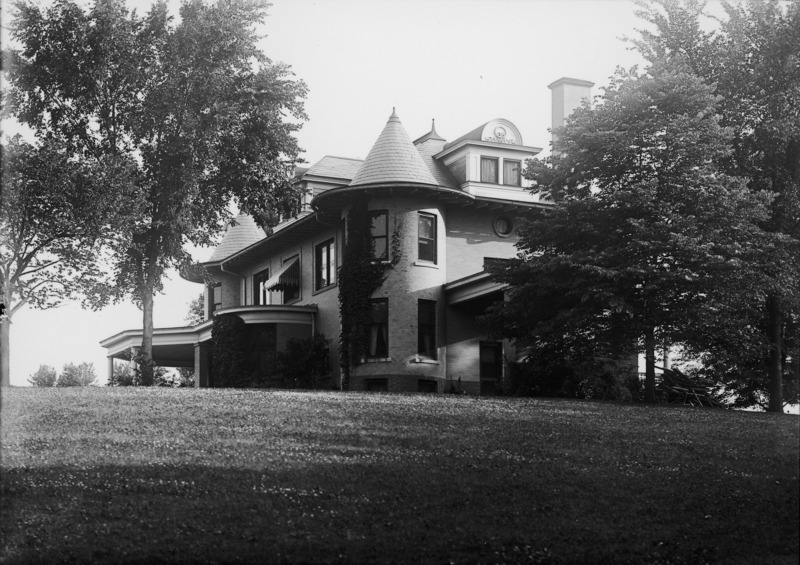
(752, 61)
(208, 117)
(196, 313)
(646, 234)
(77, 375)
(45, 376)
(59, 215)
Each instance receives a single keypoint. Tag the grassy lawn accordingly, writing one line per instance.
(205, 476)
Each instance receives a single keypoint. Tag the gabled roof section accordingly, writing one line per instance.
(244, 233)
(499, 131)
(393, 158)
(335, 167)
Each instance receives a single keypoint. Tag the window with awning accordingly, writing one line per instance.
(286, 280)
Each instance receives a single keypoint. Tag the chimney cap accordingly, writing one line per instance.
(572, 81)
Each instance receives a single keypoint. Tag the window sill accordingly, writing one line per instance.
(425, 361)
(323, 289)
(426, 264)
(377, 360)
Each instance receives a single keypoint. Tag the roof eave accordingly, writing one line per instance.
(518, 148)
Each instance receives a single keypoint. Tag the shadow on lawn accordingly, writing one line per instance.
(349, 511)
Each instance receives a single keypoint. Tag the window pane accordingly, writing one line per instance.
(511, 172)
(381, 248)
(427, 238)
(324, 264)
(379, 328)
(379, 224)
(488, 170)
(426, 226)
(426, 328)
(380, 238)
(260, 292)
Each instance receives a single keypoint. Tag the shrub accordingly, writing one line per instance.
(44, 376)
(230, 363)
(77, 375)
(305, 362)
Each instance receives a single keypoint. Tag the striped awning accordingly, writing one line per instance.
(287, 277)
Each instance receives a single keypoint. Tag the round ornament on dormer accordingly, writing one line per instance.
(501, 131)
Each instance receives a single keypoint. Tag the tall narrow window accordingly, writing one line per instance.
(217, 296)
(324, 264)
(511, 172)
(426, 328)
(380, 235)
(260, 292)
(379, 328)
(427, 237)
(488, 170)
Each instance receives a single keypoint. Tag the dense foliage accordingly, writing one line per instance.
(751, 59)
(230, 352)
(676, 209)
(305, 363)
(58, 216)
(646, 233)
(206, 117)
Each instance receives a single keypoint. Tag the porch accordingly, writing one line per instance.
(190, 346)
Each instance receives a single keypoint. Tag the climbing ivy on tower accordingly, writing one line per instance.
(360, 275)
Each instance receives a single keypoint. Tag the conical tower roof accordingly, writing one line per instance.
(393, 158)
(244, 234)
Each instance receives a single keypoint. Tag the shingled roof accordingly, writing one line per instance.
(393, 158)
(336, 167)
(245, 233)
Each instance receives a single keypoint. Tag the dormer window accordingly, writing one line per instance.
(489, 170)
(511, 172)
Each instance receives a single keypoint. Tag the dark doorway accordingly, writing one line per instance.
(491, 360)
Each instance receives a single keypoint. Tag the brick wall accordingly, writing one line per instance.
(470, 238)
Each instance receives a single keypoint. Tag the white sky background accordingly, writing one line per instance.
(462, 62)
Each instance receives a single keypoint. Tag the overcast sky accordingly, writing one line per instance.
(460, 62)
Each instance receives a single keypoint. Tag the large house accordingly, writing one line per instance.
(440, 208)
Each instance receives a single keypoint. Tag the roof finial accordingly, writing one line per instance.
(393, 117)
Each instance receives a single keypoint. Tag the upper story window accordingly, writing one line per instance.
(489, 170)
(380, 234)
(260, 291)
(324, 264)
(427, 237)
(511, 172)
(216, 297)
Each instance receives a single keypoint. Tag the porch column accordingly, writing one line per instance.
(201, 365)
(134, 354)
(110, 367)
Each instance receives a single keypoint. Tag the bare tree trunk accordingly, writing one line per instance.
(775, 334)
(146, 352)
(5, 350)
(649, 365)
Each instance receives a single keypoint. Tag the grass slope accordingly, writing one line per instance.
(202, 476)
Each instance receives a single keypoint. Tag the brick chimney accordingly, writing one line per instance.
(568, 94)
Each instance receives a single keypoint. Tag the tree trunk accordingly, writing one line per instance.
(649, 365)
(5, 350)
(146, 352)
(775, 334)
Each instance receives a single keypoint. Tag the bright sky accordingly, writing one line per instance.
(460, 62)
